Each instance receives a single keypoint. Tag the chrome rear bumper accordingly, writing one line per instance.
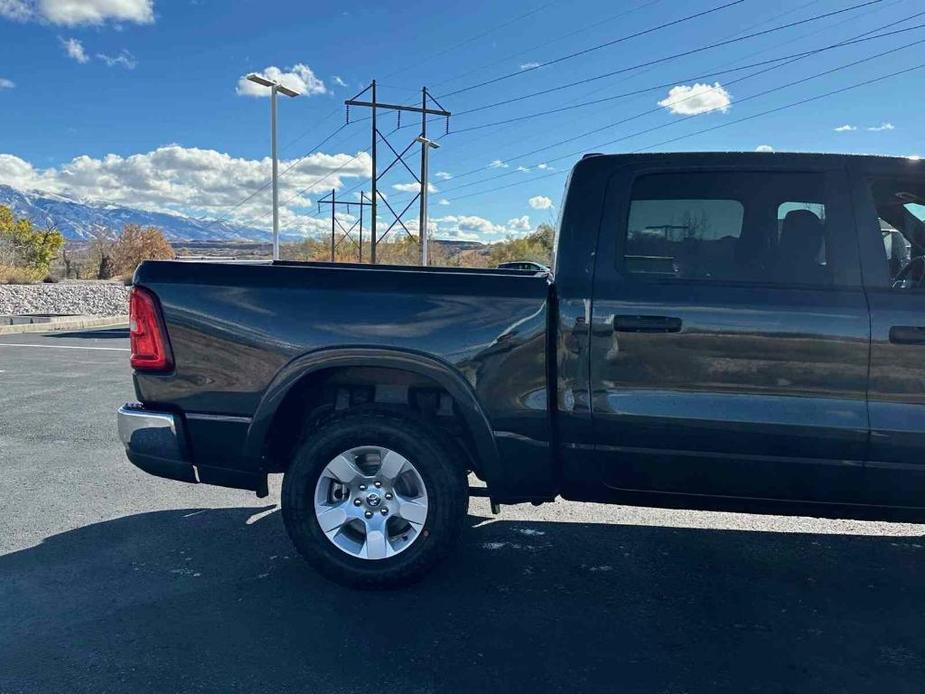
(157, 443)
(154, 443)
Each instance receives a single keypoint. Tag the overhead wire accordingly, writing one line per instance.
(716, 127)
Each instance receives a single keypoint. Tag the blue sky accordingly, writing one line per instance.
(138, 102)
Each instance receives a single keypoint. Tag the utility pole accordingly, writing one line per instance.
(274, 88)
(422, 212)
(425, 109)
(375, 179)
(426, 146)
(335, 222)
(333, 219)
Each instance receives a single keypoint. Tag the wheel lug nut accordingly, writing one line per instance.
(385, 512)
(357, 502)
(388, 496)
(362, 487)
(378, 483)
(369, 514)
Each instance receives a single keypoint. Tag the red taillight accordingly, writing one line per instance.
(150, 351)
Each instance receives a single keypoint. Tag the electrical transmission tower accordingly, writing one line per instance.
(429, 107)
(335, 222)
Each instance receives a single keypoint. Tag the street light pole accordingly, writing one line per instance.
(274, 88)
(426, 146)
(275, 172)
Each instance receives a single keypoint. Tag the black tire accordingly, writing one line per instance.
(435, 459)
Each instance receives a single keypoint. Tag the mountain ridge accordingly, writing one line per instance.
(77, 219)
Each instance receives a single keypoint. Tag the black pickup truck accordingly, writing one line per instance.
(719, 331)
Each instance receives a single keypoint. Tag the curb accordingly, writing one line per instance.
(75, 323)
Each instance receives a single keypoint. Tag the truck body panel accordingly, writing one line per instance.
(719, 333)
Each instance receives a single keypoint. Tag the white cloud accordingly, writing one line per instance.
(545, 167)
(693, 100)
(475, 228)
(124, 59)
(764, 148)
(498, 164)
(198, 182)
(17, 10)
(846, 128)
(443, 201)
(443, 175)
(414, 187)
(75, 50)
(6, 84)
(519, 223)
(523, 169)
(882, 127)
(529, 66)
(77, 12)
(299, 77)
(468, 228)
(540, 202)
(338, 81)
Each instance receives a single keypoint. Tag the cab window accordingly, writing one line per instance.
(762, 228)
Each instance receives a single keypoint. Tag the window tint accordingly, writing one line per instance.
(743, 227)
(900, 205)
(689, 237)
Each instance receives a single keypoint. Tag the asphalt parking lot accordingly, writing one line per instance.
(114, 581)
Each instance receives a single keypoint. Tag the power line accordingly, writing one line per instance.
(478, 36)
(657, 61)
(738, 38)
(708, 75)
(671, 123)
(859, 38)
(556, 39)
(598, 47)
(267, 184)
(324, 178)
(778, 109)
(791, 105)
(741, 32)
(312, 128)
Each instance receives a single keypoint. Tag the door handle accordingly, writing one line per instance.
(907, 335)
(646, 324)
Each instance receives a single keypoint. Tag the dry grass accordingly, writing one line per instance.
(19, 275)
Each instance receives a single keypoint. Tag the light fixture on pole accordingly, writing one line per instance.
(274, 88)
(426, 146)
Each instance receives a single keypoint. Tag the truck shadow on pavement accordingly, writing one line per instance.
(217, 600)
(92, 334)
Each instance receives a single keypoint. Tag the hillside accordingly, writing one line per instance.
(77, 219)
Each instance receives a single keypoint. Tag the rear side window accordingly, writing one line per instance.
(768, 228)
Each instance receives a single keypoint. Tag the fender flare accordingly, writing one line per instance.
(440, 372)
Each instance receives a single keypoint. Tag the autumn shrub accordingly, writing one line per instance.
(136, 244)
(25, 251)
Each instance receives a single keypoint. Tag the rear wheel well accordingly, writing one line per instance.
(339, 389)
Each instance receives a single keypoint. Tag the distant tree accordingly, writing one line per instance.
(25, 248)
(70, 262)
(400, 250)
(536, 246)
(100, 265)
(136, 244)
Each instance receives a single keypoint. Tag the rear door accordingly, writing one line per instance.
(730, 335)
(890, 199)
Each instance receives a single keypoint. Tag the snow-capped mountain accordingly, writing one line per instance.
(77, 220)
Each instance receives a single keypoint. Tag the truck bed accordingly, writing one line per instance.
(234, 328)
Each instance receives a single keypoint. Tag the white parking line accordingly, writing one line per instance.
(99, 349)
